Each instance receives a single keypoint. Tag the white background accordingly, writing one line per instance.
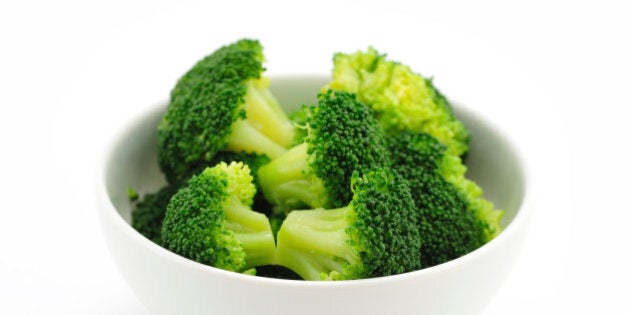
(71, 71)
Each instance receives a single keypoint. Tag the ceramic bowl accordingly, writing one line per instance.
(170, 284)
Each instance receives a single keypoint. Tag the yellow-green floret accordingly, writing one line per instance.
(401, 98)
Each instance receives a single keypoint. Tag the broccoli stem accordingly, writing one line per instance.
(314, 243)
(252, 230)
(285, 181)
(265, 114)
(246, 138)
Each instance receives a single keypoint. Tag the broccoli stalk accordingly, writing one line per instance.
(298, 117)
(314, 244)
(266, 128)
(375, 235)
(265, 114)
(222, 103)
(287, 180)
(252, 230)
(342, 137)
(210, 220)
(401, 99)
(246, 138)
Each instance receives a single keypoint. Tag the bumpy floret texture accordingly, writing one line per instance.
(375, 235)
(342, 137)
(451, 222)
(368, 182)
(221, 103)
(209, 220)
(401, 98)
(148, 213)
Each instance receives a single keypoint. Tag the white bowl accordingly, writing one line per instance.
(170, 284)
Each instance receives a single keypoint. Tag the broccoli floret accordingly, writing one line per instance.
(454, 219)
(402, 99)
(222, 103)
(375, 235)
(148, 213)
(253, 160)
(210, 220)
(342, 137)
(132, 194)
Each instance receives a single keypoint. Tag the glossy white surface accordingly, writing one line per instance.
(170, 284)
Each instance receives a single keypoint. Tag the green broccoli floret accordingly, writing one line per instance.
(375, 235)
(222, 103)
(148, 213)
(454, 219)
(253, 160)
(342, 137)
(132, 194)
(210, 221)
(401, 99)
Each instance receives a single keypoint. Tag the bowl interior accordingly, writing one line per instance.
(492, 162)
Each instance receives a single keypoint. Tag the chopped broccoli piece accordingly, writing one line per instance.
(342, 137)
(454, 219)
(401, 99)
(375, 235)
(250, 272)
(210, 220)
(148, 213)
(132, 194)
(376, 164)
(222, 103)
(298, 117)
(253, 160)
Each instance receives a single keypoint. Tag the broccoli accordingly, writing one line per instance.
(210, 220)
(149, 212)
(277, 272)
(401, 99)
(298, 117)
(367, 182)
(453, 217)
(342, 137)
(222, 103)
(253, 160)
(375, 235)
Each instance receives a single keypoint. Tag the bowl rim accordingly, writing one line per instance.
(107, 208)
